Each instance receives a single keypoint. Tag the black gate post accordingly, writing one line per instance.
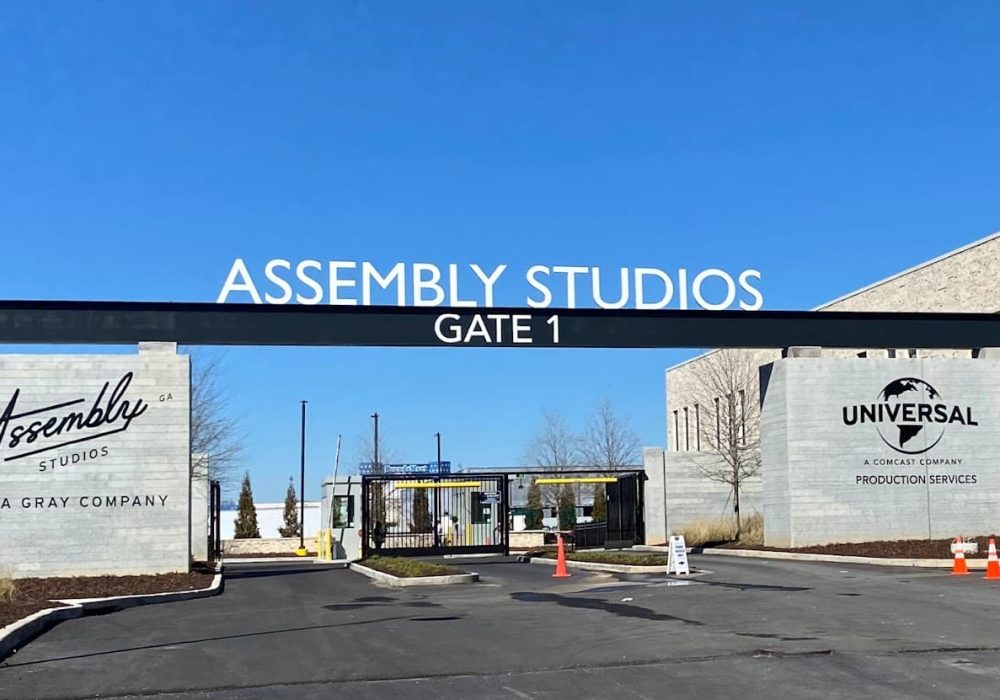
(505, 512)
(214, 521)
(365, 514)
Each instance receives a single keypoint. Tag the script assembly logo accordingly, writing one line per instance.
(910, 415)
(64, 426)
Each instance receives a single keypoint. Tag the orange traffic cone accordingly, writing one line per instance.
(993, 565)
(960, 568)
(561, 571)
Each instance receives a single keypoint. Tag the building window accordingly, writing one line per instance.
(743, 417)
(677, 432)
(480, 511)
(718, 425)
(912, 352)
(687, 432)
(697, 427)
(342, 514)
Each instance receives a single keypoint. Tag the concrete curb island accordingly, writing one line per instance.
(391, 580)
(17, 634)
(608, 568)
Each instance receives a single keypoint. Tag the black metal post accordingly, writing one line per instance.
(302, 482)
(437, 495)
(376, 465)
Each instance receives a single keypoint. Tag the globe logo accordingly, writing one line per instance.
(910, 415)
(910, 432)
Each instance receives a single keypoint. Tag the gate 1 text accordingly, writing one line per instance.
(492, 329)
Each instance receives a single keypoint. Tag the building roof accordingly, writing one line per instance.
(907, 271)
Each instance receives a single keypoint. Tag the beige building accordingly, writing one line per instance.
(678, 490)
(963, 280)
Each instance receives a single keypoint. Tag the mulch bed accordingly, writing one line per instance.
(896, 549)
(624, 558)
(34, 594)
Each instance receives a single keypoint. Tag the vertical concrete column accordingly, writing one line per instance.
(655, 495)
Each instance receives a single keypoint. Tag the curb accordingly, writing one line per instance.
(17, 634)
(973, 564)
(280, 560)
(610, 568)
(391, 580)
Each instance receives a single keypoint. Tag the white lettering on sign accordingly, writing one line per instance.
(489, 328)
(677, 560)
(352, 283)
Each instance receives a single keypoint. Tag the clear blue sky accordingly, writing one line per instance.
(145, 145)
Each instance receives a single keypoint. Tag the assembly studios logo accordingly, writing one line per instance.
(909, 415)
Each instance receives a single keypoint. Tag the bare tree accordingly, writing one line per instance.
(727, 394)
(609, 443)
(555, 447)
(364, 449)
(217, 444)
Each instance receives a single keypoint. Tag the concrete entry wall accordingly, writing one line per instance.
(679, 495)
(95, 463)
(899, 478)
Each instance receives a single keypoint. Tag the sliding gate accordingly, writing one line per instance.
(434, 515)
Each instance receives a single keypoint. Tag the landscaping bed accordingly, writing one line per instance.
(895, 549)
(33, 594)
(618, 558)
(409, 568)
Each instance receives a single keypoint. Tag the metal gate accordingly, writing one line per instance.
(430, 515)
(214, 526)
(625, 509)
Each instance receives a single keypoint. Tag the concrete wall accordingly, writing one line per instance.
(679, 494)
(824, 479)
(200, 518)
(268, 545)
(960, 281)
(111, 496)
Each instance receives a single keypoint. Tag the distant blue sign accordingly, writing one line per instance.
(368, 468)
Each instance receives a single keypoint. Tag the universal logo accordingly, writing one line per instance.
(52, 427)
(910, 415)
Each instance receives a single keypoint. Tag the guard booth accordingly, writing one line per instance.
(415, 514)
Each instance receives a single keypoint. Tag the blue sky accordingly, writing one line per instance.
(145, 145)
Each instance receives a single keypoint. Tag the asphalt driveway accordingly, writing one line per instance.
(749, 628)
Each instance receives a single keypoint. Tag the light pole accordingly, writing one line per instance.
(376, 466)
(301, 551)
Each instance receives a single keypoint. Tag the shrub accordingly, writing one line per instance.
(8, 591)
(753, 530)
(703, 532)
(291, 513)
(246, 517)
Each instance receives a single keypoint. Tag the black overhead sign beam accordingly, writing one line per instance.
(93, 323)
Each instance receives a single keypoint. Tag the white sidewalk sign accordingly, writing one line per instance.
(677, 560)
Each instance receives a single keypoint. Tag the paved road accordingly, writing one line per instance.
(748, 629)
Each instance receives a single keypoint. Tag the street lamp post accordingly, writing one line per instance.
(301, 551)
(376, 465)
